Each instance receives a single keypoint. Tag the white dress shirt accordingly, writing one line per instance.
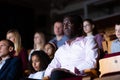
(81, 53)
(2, 62)
(37, 75)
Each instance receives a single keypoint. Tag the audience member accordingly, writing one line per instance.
(50, 49)
(115, 47)
(76, 55)
(91, 31)
(59, 38)
(39, 42)
(10, 67)
(14, 36)
(38, 62)
(68, 28)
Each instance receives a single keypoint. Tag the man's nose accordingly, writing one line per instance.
(65, 26)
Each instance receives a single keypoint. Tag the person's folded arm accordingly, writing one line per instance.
(91, 55)
(54, 64)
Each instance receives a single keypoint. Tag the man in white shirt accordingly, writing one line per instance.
(75, 55)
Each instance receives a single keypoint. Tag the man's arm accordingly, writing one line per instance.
(54, 64)
(91, 55)
(15, 70)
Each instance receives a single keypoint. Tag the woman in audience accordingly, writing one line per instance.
(115, 47)
(90, 31)
(39, 42)
(50, 49)
(38, 62)
(14, 36)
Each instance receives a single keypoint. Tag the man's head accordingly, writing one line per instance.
(6, 47)
(58, 28)
(72, 26)
(117, 30)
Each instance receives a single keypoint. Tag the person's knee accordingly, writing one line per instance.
(56, 75)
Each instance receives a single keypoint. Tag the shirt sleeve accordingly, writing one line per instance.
(91, 55)
(112, 47)
(54, 64)
(99, 40)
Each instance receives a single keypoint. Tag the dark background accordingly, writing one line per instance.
(29, 16)
(22, 19)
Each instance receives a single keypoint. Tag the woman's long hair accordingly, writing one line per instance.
(17, 42)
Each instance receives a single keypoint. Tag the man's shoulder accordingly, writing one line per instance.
(53, 39)
(14, 60)
(65, 37)
(115, 41)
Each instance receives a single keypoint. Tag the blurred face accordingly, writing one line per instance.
(49, 49)
(4, 49)
(11, 37)
(117, 31)
(58, 28)
(36, 63)
(68, 27)
(37, 38)
(87, 27)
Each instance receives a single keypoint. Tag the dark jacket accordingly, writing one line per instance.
(11, 70)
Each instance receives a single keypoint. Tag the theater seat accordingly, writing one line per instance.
(110, 64)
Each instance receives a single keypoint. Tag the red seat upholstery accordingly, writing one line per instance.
(73, 78)
(112, 54)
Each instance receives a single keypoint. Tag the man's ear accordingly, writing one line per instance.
(10, 49)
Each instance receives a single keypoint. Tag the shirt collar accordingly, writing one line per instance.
(117, 40)
(2, 60)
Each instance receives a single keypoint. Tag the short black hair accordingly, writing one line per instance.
(117, 23)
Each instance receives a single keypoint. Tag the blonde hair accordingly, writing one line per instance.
(17, 42)
(42, 44)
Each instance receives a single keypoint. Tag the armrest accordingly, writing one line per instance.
(27, 72)
(46, 78)
(91, 72)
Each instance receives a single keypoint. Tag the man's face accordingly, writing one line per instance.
(58, 28)
(4, 49)
(68, 27)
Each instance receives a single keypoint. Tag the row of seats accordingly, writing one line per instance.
(109, 67)
(107, 43)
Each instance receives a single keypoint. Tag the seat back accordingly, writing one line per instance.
(110, 63)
